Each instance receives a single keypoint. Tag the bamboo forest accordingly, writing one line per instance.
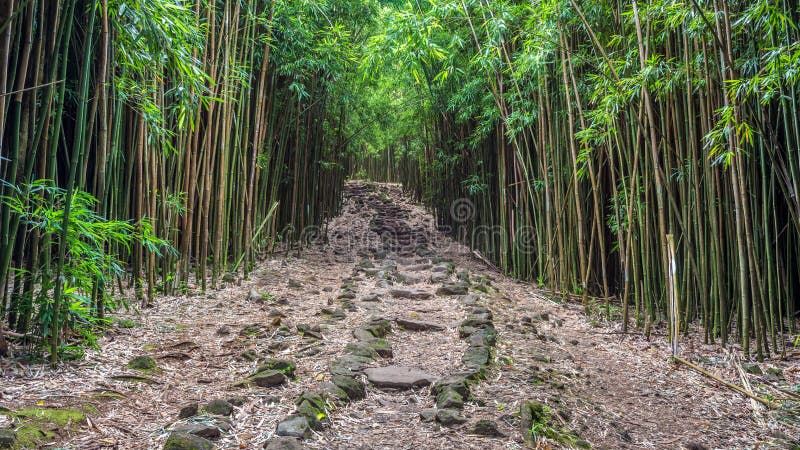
(394, 224)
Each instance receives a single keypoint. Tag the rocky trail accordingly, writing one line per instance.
(384, 335)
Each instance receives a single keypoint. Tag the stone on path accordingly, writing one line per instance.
(219, 407)
(7, 438)
(457, 288)
(485, 427)
(354, 388)
(413, 294)
(448, 417)
(417, 325)
(200, 429)
(188, 411)
(399, 377)
(255, 296)
(294, 426)
(185, 441)
(283, 443)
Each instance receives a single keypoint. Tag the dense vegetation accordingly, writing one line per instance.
(152, 144)
(148, 144)
(590, 136)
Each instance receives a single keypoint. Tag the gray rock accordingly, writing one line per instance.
(185, 441)
(458, 288)
(449, 417)
(7, 438)
(200, 429)
(283, 443)
(308, 331)
(219, 407)
(439, 277)
(281, 365)
(413, 294)
(428, 414)
(485, 427)
(381, 346)
(348, 365)
(361, 348)
(267, 378)
(255, 296)
(354, 388)
(335, 393)
(399, 377)
(370, 298)
(449, 399)
(294, 426)
(455, 382)
(188, 411)
(476, 357)
(417, 325)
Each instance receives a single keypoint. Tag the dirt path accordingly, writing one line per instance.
(584, 385)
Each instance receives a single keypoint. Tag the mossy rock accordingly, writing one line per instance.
(219, 407)
(354, 388)
(186, 441)
(56, 416)
(283, 366)
(145, 364)
(361, 349)
(537, 419)
(128, 323)
(313, 407)
(37, 426)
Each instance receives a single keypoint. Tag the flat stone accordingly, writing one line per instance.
(361, 348)
(309, 331)
(283, 443)
(381, 346)
(281, 365)
(458, 288)
(428, 414)
(371, 298)
(455, 382)
(449, 399)
(188, 411)
(476, 357)
(267, 378)
(486, 427)
(199, 429)
(449, 417)
(417, 325)
(399, 377)
(348, 365)
(185, 441)
(219, 407)
(413, 294)
(294, 426)
(439, 277)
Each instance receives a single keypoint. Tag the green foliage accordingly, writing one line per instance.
(94, 247)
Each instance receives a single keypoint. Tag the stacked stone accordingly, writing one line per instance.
(311, 408)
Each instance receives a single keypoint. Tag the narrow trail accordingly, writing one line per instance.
(385, 289)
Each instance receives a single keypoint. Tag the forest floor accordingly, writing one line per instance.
(580, 380)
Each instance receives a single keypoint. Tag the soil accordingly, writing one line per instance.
(603, 388)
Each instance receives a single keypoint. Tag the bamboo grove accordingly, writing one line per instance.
(587, 134)
(151, 145)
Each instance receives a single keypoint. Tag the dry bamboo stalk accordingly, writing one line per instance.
(735, 387)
